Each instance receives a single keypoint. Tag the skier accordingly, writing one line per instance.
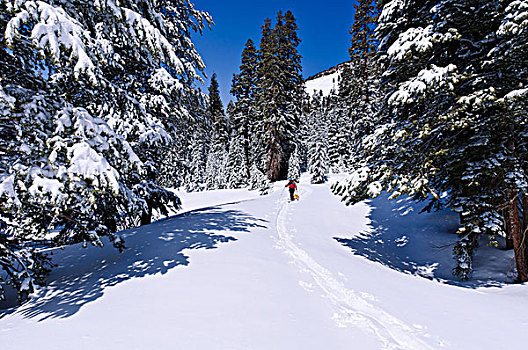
(293, 187)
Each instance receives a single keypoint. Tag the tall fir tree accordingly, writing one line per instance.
(197, 158)
(243, 89)
(295, 164)
(362, 94)
(237, 167)
(319, 160)
(317, 144)
(446, 125)
(215, 177)
(264, 104)
(279, 92)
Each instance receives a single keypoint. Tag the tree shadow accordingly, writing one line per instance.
(403, 239)
(82, 274)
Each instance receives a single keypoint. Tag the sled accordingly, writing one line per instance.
(296, 197)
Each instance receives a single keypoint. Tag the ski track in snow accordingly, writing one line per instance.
(351, 308)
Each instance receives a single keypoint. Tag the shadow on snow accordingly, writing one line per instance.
(421, 244)
(82, 275)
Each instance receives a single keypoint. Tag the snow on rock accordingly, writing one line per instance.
(516, 94)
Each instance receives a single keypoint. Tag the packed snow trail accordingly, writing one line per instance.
(351, 308)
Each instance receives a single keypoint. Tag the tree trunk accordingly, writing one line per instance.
(274, 163)
(519, 243)
(524, 205)
(146, 216)
(508, 230)
(274, 158)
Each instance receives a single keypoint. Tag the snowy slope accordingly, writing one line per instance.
(238, 271)
(325, 84)
(326, 81)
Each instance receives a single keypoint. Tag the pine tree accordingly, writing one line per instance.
(278, 95)
(237, 167)
(258, 180)
(445, 124)
(215, 177)
(243, 89)
(294, 164)
(318, 155)
(215, 113)
(89, 107)
(361, 95)
(235, 163)
(316, 138)
(363, 44)
(195, 179)
(339, 130)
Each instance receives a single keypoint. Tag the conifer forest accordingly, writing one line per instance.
(106, 109)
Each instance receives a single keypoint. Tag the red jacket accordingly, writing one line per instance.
(291, 184)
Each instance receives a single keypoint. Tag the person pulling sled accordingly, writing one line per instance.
(292, 186)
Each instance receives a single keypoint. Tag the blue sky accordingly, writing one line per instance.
(323, 30)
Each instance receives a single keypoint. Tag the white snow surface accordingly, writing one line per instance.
(240, 271)
(325, 84)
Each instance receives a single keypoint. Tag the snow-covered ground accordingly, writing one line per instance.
(240, 271)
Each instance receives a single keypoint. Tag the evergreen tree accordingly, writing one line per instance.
(339, 130)
(363, 44)
(215, 177)
(215, 113)
(236, 163)
(237, 167)
(317, 145)
(278, 95)
(258, 180)
(294, 164)
(197, 163)
(88, 106)
(243, 88)
(318, 155)
(361, 93)
(445, 124)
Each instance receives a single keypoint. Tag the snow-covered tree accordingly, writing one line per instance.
(445, 125)
(237, 167)
(215, 175)
(339, 132)
(294, 164)
(243, 88)
(237, 176)
(92, 93)
(258, 180)
(316, 139)
(278, 93)
(319, 161)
